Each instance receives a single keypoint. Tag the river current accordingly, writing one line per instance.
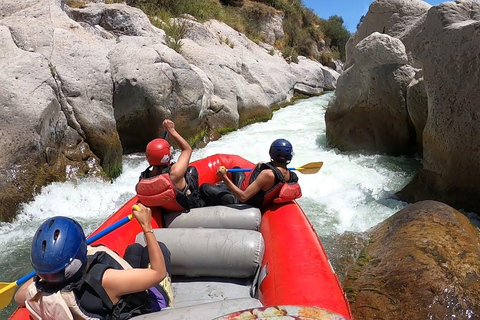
(350, 194)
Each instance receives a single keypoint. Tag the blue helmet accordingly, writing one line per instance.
(281, 150)
(59, 250)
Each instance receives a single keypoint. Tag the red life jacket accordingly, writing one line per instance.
(159, 191)
(282, 191)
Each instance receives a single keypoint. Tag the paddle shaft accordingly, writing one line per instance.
(308, 168)
(247, 169)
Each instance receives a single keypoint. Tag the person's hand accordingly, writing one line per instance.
(168, 125)
(143, 215)
(222, 172)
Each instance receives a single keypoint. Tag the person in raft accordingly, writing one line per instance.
(76, 281)
(171, 186)
(266, 183)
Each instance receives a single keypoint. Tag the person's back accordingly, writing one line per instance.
(261, 186)
(73, 280)
(172, 186)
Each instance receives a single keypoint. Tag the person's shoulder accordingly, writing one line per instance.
(267, 173)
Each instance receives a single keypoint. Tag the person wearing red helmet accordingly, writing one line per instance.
(171, 186)
(266, 183)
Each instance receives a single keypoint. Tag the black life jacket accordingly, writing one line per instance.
(282, 191)
(94, 300)
(86, 298)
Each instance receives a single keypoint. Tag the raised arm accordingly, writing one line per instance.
(178, 170)
(120, 282)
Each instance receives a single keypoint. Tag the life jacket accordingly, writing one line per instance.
(282, 191)
(159, 191)
(86, 299)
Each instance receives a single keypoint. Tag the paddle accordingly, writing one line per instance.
(309, 168)
(7, 289)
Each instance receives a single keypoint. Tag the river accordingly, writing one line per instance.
(351, 193)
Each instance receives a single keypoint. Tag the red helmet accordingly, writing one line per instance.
(158, 152)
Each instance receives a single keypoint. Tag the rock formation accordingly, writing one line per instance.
(421, 263)
(81, 85)
(448, 48)
(369, 110)
(432, 108)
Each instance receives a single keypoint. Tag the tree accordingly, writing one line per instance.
(334, 29)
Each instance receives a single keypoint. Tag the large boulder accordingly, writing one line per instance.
(158, 84)
(369, 110)
(449, 50)
(421, 263)
(313, 80)
(401, 19)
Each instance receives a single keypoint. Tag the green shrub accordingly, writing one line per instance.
(290, 54)
(326, 58)
(233, 3)
(175, 32)
(203, 10)
(233, 17)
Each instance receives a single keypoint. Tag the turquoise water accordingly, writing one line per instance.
(351, 193)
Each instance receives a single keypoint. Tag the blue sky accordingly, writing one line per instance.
(349, 10)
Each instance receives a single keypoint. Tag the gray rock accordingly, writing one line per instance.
(271, 28)
(39, 146)
(380, 49)
(401, 19)
(369, 110)
(247, 80)
(158, 83)
(449, 50)
(117, 19)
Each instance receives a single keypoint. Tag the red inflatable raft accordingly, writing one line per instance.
(287, 274)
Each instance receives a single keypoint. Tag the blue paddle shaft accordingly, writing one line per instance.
(102, 233)
(24, 279)
(106, 231)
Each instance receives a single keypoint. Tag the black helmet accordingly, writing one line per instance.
(281, 150)
(59, 250)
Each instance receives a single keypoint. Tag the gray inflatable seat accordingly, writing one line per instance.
(206, 311)
(236, 216)
(198, 252)
(194, 291)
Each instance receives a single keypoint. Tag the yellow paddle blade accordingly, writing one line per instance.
(310, 168)
(6, 293)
